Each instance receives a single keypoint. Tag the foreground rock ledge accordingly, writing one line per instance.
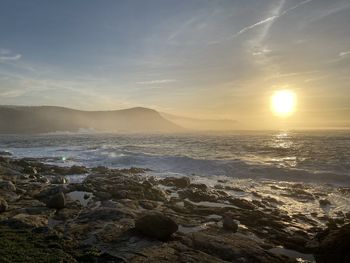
(127, 216)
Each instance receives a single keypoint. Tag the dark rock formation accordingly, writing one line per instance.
(228, 222)
(58, 201)
(156, 226)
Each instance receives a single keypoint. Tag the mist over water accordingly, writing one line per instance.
(287, 156)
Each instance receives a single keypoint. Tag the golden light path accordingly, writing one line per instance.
(283, 103)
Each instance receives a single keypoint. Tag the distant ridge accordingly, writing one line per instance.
(48, 119)
(203, 124)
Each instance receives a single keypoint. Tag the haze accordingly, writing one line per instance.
(217, 60)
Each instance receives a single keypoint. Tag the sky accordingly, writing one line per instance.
(217, 59)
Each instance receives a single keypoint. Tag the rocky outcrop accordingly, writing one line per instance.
(57, 201)
(235, 249)
(332, 245)
(228, 222)
(156, 226)
(124, 216)
(179, 182)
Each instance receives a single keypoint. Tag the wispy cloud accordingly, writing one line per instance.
(158, 81)
(270, 19)
(261, 52)
(13, 93)
(245, 29)
(344, 53)
(10, 58)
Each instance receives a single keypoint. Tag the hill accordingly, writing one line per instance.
(46, 119)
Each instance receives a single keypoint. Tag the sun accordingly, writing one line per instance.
(283, 103)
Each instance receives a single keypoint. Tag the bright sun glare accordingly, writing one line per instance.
(283, 103)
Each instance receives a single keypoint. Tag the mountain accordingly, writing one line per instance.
(202, 124)
(45, 119)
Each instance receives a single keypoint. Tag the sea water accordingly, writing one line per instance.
(313, 156)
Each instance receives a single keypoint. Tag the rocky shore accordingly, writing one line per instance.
(113, 215)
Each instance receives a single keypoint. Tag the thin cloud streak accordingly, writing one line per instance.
(158, 81)
(10, 58)
(344, 53)
(270, 19)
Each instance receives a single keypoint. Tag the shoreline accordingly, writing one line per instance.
(220, 223)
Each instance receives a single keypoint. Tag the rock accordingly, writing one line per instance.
(149, 205)
(228, 222)
(172, 252)
(29, 170)
(334, 246)
(5, 153)
(75, 169)
(234, 249)
(242, 203)
(324, 202)
(201, 187)
(156, 226)
(179, 182)
(43, 179)
(103, 214)
(196, 195)
(3, 205)
(102, 195)
(59, 180)
(7, 186)
(29, 220)
(57, 201)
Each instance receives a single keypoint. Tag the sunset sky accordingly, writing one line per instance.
(219, 59)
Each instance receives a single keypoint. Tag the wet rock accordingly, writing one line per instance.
(173, 252)
(324, 202)
(149, 205)
(7, 186)
(32, 220)
(228, 222)
(201, 187)
(100, 169)
(75, 169)
(104, 214)
(59, 180)
(30, 170)
(3, 205)
(242, 203)
(179, 182)
(155, 194)
(234, 249)
(333, 245)
(196, 195)
(102, 195)
(57, 201)
(156, 226)
(43, 180)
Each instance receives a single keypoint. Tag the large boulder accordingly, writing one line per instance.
(179, 182)
(156, 226)
(333, 245)
(3, 205)
(228, 222)
(57, 201)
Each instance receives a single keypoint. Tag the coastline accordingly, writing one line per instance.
(96, 217)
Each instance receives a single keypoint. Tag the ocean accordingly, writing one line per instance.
(312, 156)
